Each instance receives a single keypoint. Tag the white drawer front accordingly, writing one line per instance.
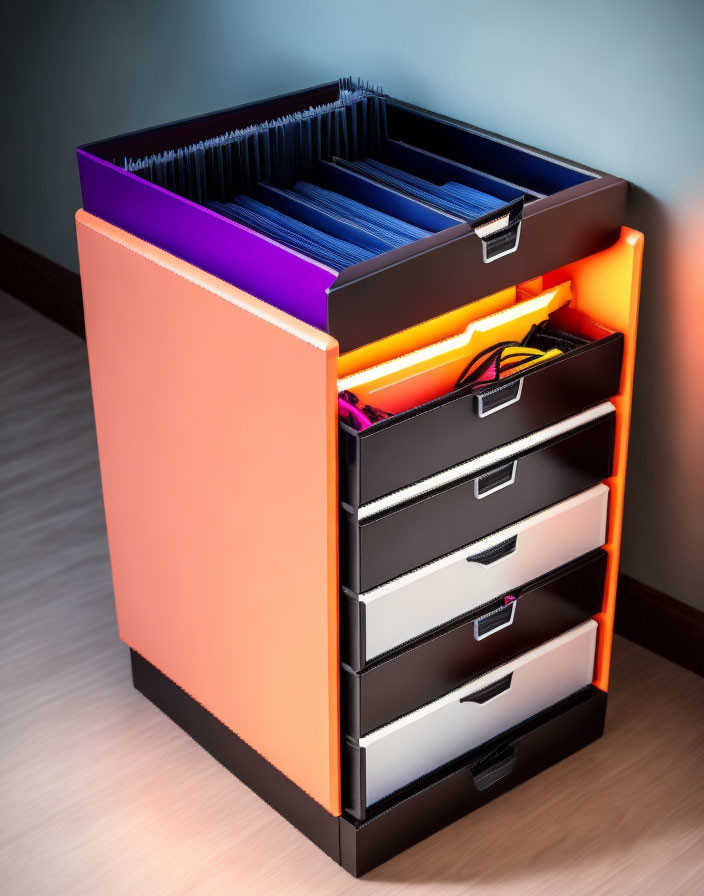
(434, 594)
(414, 745)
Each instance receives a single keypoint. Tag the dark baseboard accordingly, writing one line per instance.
(42, 284)
(660, 623)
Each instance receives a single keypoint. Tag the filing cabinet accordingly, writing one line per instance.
(378, 629)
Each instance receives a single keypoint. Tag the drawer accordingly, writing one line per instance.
(384, 539)
(381, 620)
(397, 754)
(463, 424)
(493, 634)
(550, 212)
(471, 781)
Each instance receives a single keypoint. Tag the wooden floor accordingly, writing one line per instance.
(101, 794)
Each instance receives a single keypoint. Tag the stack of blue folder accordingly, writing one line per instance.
(369, 231)
(386, 228)
(452, 197)
(325, 248)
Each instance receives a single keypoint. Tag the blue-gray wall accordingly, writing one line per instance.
(615, 84)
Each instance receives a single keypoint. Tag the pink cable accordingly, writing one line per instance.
(349, 410)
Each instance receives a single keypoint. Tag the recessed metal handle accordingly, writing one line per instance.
(494, 481)
(497, 552)
(493, 622)
(492, 400)
(494, 767)
(491, 691)
(500, 230)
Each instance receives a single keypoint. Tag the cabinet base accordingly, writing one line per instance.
(406, 817)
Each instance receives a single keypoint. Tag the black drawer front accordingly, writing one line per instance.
(466, 648)
(477, 778)
(459, 426)
(409, 285)
(391, 543)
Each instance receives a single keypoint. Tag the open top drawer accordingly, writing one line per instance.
(546, 212)
(464, 422)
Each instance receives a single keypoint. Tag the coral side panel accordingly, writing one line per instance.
(220, 498)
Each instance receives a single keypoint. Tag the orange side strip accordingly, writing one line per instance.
(607, 289)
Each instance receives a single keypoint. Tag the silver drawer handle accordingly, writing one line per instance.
(494, 481)
(493, 622)
(490, 401)
(500, 230)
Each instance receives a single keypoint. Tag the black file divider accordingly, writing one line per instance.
(219, 170)
(280, 151)
(440, 170)
(466, 203)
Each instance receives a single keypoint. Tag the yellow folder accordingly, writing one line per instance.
(429, 372)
